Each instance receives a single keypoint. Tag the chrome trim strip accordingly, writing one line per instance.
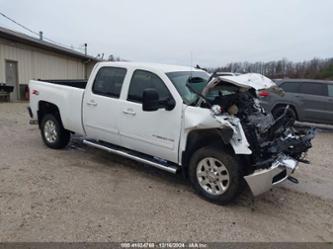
(169, 169)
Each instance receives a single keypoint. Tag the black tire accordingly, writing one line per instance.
(232, 165)
(61, 136)
(278, 111)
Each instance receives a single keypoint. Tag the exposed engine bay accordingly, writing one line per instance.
(268, 138)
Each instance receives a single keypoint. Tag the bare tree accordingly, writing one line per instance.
(314, 69)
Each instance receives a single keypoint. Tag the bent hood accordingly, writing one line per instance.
(249, 80)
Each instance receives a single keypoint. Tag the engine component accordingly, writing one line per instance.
(233, 110)
(268, 138)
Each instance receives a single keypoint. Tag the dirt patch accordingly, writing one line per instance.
(82, 194)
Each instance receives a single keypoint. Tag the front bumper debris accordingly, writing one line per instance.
(264, 179)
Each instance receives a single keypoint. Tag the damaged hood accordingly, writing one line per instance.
(249, 80)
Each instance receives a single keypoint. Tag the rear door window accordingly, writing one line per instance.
(109, 81)
(291, 87)
(318, 89)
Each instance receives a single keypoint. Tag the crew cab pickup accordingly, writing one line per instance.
(212, 128)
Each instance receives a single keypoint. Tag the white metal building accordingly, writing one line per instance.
(23, 58)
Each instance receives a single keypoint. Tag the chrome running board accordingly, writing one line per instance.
(128, 154)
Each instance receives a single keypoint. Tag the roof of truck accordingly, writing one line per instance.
(161, 67)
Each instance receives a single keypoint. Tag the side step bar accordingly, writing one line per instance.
(169, 168)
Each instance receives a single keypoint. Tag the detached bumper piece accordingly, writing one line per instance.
(263, 180)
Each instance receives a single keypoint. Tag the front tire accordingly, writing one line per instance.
(215, 175)
(53, 133)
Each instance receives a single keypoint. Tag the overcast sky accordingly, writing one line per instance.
(215, 32)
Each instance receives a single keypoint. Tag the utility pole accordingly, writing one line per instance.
(87, 62)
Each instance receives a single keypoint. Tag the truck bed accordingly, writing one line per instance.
(66, 95)
(72, 83)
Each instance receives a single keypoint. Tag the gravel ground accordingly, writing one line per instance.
(82, 194)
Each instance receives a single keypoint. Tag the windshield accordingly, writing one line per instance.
(180, 79)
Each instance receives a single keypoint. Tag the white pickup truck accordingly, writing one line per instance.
(176, 118)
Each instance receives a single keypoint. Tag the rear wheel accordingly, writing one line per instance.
(53, 133)
(215, 175)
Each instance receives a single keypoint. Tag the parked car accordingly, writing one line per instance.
(309, 100)
(175, 118)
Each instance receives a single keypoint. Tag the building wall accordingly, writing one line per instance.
(36, 63)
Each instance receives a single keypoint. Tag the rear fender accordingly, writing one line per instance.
(44, 108)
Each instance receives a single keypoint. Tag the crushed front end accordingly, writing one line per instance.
(276, 146)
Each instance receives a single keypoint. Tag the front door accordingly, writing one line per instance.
(12, 78)
(155, 133)
(101, 105)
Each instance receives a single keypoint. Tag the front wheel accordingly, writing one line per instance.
(215, 174)
(53, 133)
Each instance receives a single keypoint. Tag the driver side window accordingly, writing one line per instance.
(142, 80)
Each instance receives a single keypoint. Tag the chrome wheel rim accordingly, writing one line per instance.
(213, 176)
(50, 131)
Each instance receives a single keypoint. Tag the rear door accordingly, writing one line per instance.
(101, 105)
(316, 107)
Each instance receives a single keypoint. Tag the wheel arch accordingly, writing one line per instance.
(198, 139)
(44, 108)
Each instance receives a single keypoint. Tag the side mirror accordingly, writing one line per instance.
(169, 104)
(150, 100)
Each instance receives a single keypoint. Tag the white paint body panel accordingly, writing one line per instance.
(100, 117)
(196, 118)
(161, 134)
(100, 113)
(153, 133)
(68, 100)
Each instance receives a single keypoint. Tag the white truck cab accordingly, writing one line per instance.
(175, 118)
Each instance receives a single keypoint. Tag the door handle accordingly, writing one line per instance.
(92, 103)
(129, 112)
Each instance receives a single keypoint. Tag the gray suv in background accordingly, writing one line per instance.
(309, 100)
